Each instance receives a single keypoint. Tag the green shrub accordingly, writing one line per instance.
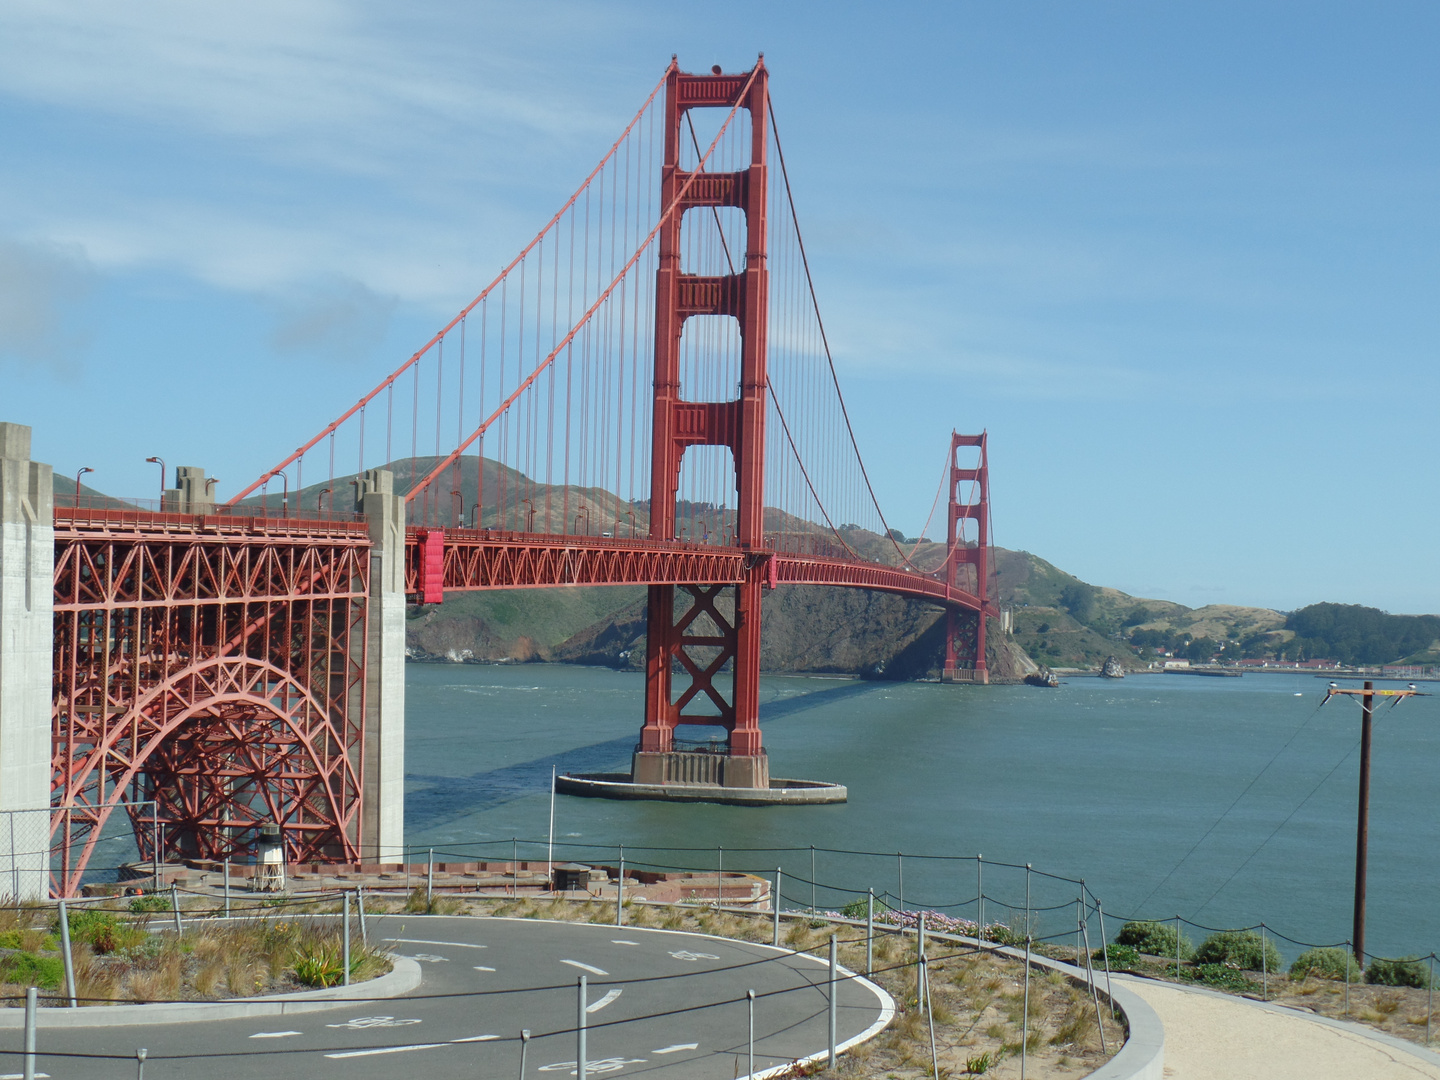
(1121, 957)
(856, 909)
(1239, 949)
(1221, 976)
(1326, 964)
(27, 969)
(1154, 938)
(1406, 971)
(150, 902)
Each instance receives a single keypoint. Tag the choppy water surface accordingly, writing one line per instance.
(1113, 782)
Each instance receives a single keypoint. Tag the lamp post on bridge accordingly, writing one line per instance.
(320, 499)
(585, 510)
(161, 462)
(530, 522)
(79, 474)
(1362, 818)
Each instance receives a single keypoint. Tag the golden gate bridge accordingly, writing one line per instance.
(645, 395)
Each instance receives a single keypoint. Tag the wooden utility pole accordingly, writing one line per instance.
(1362, 818)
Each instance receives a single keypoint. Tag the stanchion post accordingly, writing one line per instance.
(750, 1042)
(920, 986)
(1347, 984)
(980, 894)
(833, 1005)
(1177, 948)
(580, 1064)
(1264, 968)
(524, 1046)
(1027, 900)
(1090, 968)
(1025, 1009)
(345, 938)
(719, 876)
(930, 1018)
(140, 1056)
(812, 878)
(775, 910)
(175, 908)
(1079, 923)
(620, 891)
(900, 880)
(870, 933)
(69, 960)
(360, 906)
(430, 880)
(227, 888)
(1105, 950)
(30, 1004)
(1429, 999)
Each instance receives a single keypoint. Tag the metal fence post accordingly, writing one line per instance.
(719, 876)
(750, 1061)
(30, 1004)
(1090, 969)
(980, 894)
(1027, 900)
(175, 908)
(920, 959)
(524, 1046)
(1349, 947)
(870, 933)
(1025, 1008)
(227, 888)
(833, 1006)
(580, 1065)
(140, 1056)
(1177, 947)
(360, 904)
(1079, 923)
(900, 875)
(812, 877)
(930, 1018)
(430, 880)
(1264, 968)
(1429, 999)
(1105, 947)
(69, 960)
(345, 939)
(620, 891)
(775, 907)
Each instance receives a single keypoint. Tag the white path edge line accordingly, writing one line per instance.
(274, 1034)
(606, 1000)
(617, 941)
(477, 1038)
(385, 1050)
(677, 1048)
(585, 967)
(479, 967)
(423, 941)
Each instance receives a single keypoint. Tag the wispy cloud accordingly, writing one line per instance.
(340, 320)
(40, 285)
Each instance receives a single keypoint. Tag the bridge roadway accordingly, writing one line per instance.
(485, 979)
(493, 559)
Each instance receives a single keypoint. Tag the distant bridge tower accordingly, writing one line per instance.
(965, 633)
(738, 424)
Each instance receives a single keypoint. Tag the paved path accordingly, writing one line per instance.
(1210, 1036)
(444, 1029)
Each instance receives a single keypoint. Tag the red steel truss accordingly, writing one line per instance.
(216, 666)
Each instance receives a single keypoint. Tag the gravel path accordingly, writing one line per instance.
(1211, 1036)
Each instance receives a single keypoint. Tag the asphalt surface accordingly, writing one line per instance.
(661, 1004)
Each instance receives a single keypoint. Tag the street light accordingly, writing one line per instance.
(79, 474)
(586, 511)
(320, 499)
(530, 524)
(161, 462)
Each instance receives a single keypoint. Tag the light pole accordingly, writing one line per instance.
(585, 510)
(320, 499)
(530, 523)
(1362, 818)
(79, 474)
(161, 462)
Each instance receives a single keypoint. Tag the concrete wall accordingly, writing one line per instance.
(27, 573)
(383, 820)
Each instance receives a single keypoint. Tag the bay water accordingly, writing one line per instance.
(1226, 801)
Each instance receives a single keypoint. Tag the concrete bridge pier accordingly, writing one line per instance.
(27, 591)
(382, 827)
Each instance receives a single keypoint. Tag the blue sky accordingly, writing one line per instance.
(1179, 259)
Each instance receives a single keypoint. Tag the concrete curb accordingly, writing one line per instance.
(404, 976)
(1363, 1031)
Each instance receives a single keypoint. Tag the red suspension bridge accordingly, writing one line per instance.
(645, 396)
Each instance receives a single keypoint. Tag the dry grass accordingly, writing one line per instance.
(977, 999)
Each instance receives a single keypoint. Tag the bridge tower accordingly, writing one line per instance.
(965, 634)
(738, 424)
